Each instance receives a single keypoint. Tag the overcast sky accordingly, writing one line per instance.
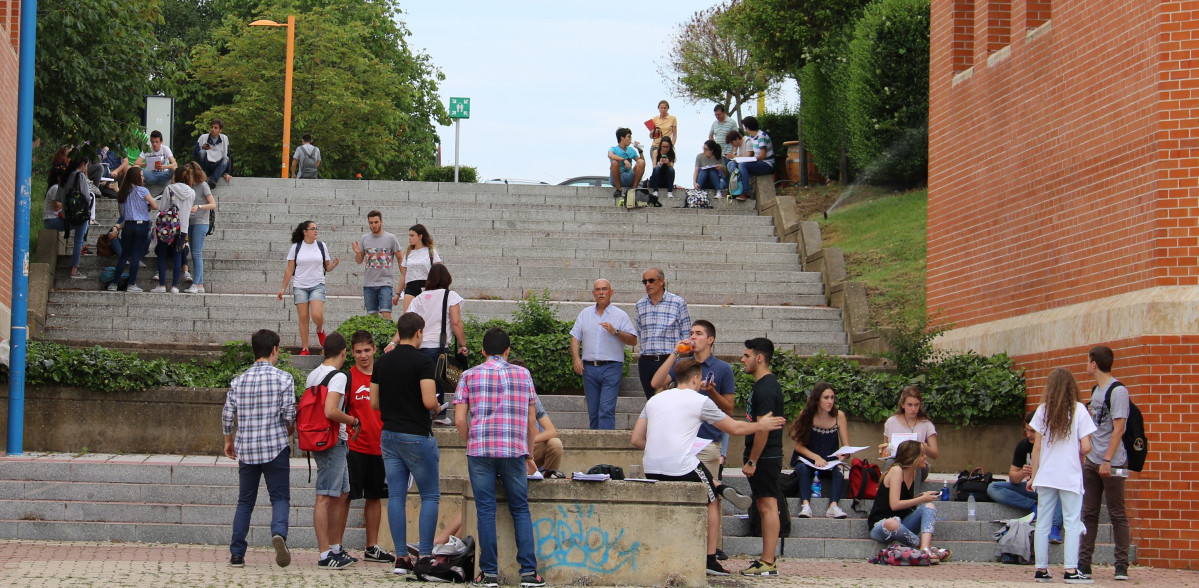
(551, 81)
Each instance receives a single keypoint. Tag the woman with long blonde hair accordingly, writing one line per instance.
(900, 514)
(1063, 435)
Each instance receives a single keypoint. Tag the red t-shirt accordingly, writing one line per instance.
(359, 405)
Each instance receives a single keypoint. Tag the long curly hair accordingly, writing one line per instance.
(1061, 396)
(801, 430)
(425, 238)
(298, 234)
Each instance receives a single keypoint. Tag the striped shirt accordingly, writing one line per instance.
(719, 131)
(262, 404)
(660, 326)
(499, 395)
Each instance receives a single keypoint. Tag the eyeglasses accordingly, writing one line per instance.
(310, 229)
(649, 281)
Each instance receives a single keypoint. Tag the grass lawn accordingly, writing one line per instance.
(883, 235)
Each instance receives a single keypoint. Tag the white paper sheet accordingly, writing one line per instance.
(536, 476)
(745, 159)
(699, 446)
(581, 477)
(848, 449)
(827, 466)
(897, 438)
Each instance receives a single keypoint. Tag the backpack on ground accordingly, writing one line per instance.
(698, 199)
(900, 555)
(108, 275)
(755, 519)
(314, 430)
(319, 245)
(735, 187)
(972, 483)
(76, 205)
(1136, 445)
(863, 481)
(452, 562)
(166, 225)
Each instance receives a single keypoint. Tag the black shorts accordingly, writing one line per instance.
(763, 484)
(700, 474)
(414, 288)
(368, 477)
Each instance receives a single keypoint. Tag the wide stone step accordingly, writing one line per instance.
(860, 549)
(300, 535)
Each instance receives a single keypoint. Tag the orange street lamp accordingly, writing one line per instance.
(291, 43)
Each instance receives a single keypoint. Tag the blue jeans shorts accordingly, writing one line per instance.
(377, 298)
(306, 295)
(332, 473)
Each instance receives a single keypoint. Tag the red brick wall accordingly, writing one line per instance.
(1161, 373)
(9, 26)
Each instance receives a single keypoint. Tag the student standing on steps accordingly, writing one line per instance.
(306, 159)
(764, 450)
(1063, 428)
(368, 477)
(662, 320)
(261, 407)
(308, 260)
(597, 342)
(332, 476)
(418, 260)
(379, 249)
(1013, 492)
(1107, 452)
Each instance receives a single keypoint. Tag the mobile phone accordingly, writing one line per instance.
(710, 378)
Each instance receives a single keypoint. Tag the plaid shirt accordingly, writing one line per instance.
(499, 395)
(660, 326)
(262, 401)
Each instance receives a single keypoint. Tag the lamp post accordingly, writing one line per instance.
(291, 43)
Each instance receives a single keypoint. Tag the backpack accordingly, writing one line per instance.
(1135, 443)
(972, 483)
(314, 430)
(76, 205)
(896, 554)
(735, 187)
(616, 472)
(108, 275)
(324, 256)
(306, 157)
(452, 562)
(697, 199)
(863, 481)
(755, 520)
(166, 225)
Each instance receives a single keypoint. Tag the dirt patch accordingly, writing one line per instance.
(813, 201)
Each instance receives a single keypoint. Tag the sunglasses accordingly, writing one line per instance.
(649, 281)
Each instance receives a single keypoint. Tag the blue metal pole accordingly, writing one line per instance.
(20, 254)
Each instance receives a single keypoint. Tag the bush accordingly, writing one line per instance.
(887, 97)
(781, 126)
(380, 328)
(824, 124)
(445, 173)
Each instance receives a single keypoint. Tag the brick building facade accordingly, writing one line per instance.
(10, 15)
(1063, 212)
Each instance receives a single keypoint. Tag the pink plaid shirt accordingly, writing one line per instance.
(499, 395)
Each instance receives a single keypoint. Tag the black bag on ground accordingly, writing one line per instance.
(755, 519)
(972, 482)
(616, 472)
(456, 568)
(789, 484)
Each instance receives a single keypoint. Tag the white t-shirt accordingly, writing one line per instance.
(336, 384)
(1060, 466)
(428, 306)
(673, 417)
(417, 264)
(309, 271)
(163, 154)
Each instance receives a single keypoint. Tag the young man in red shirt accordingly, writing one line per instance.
(368, 479)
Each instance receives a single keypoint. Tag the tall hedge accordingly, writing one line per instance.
(824, 124)
(887, 94)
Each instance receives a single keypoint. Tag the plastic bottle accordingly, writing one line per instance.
(1120, 472)
(945, 491)
(971, 509)
(816, 487)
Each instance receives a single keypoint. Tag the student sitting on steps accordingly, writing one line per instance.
(820, 429)
(899, 514)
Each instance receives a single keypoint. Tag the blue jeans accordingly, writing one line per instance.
(626, 179)
(601, 385)
(711, 179)
(663, 177)
(922, 520)
(135, 237)
(433, 352)
(196, 235)
(750, 169)
(175, 252)
(377, 299)
(511, 473)
(278, 485)
(214, 169)
(834, 478)
(60, 225)
(405, 454)
(157, 176)
(1070, 505)
(1016, 495)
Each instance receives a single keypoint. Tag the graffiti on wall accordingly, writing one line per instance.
(573, 539)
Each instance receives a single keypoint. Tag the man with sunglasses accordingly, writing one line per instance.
(662, 320)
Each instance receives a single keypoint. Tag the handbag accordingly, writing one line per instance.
(973, 482)
(449, 365)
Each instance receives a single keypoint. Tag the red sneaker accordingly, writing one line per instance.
(304, 351)
(320, 336)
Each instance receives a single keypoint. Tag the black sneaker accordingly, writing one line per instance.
(237, 561)
(282, 554)
(488, 580)
(1077, 577)
(1085, 568)
(1121, 573)
(1042, 576)
(403, 566)
(532, 580)
(714, 567)
(720, 555)
(335, 561)
(378, 555)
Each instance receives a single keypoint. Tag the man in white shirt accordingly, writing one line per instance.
(158, 164)
(602, 331)
(667, 430)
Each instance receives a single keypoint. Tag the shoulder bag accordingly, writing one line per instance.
(449, 364)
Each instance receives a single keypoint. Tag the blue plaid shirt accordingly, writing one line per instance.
(262, 403)
(660, 326)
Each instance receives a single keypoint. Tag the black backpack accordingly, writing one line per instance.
(1135, 443)
(296, 255)
(76, 205)
(755, 520)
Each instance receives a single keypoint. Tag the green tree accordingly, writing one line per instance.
(94, 63)
(706, 63)
(368, 100)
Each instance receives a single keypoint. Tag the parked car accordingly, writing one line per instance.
(514, 181)
(602, 181)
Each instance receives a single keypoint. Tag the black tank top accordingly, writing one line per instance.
(882, 503)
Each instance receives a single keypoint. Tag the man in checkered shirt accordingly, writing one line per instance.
(494, 410)
(662, 321)
(261, 406)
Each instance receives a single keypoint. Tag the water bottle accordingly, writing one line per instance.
(1119, 472)
(945, 491)
(971, 509)
(816, 487)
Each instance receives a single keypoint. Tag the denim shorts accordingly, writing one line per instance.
(377, 298)
(332, 473)
(306, 295)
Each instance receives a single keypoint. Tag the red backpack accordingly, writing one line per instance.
(313, 429)
(863, 480)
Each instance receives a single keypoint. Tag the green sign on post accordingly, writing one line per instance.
(459, 107)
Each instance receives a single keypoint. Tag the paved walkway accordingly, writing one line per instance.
(53, 563)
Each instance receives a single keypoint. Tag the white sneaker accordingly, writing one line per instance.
(805, 512)
(187, 276)
(655, 193)
(155, 278)
(111, 287)
(159, 289)
(718, 196)
(174, 290)
(192, 289)
(670, 194)
(133, 288)
(835, 512)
